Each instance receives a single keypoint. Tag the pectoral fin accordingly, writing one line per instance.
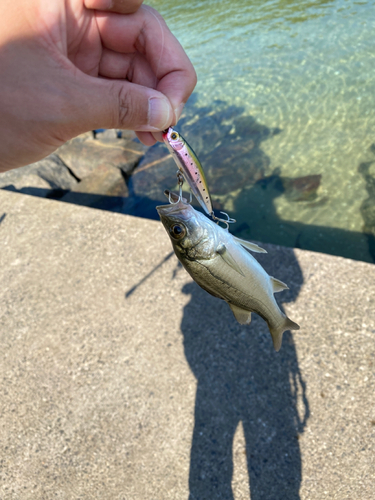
(227, 257)
(249, 246)
(242, 316)
(278, 286)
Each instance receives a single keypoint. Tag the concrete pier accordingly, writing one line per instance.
(122, 379)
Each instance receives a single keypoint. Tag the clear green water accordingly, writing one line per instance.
(307, 69)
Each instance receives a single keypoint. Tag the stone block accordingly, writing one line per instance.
(40, 178)
(83, 154)
(104, 188)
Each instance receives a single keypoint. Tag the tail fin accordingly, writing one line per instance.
(277, 333)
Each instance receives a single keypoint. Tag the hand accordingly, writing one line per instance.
(67, 68)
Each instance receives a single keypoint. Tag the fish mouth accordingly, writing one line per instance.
(179, 208)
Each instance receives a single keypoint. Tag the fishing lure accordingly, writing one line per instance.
(190, 167)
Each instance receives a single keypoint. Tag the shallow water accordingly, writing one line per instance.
(304, 71)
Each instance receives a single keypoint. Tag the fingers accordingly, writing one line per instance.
(118, 6)
(103, 103)
(146, 32)
(132, 67)
(146, 138)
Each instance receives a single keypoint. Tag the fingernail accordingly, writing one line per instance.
(105, 4)
(159, 111)
(99, 4)
(178, 111)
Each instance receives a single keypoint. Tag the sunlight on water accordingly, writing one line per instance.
(306, 69)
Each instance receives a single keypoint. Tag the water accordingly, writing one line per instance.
(304, 73)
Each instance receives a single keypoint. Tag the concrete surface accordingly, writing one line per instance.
(122, 379)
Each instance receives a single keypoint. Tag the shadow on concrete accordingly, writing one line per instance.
(2, 217)
(242, 379)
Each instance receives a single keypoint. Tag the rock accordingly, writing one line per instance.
(40, 178)
(107, 135)
(155, 173)
(104, 188)
(29, 184)
(227, 113)
(233, 165)
(248, 127)
(367, 170)
(205, 134)
(84, 154)
(302, 188)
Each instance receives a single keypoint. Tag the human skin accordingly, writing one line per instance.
(70, 66)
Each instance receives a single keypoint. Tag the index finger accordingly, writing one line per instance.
(146, 32)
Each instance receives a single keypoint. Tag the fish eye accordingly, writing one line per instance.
(177, 231)
(174, 135)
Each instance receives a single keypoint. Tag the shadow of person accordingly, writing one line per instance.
(241, 378)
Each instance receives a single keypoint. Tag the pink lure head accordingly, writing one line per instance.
(173, 139)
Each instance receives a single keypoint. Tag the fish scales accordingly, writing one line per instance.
(251, 293)
(219, 263)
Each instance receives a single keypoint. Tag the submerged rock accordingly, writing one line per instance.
(368, 205)
(247, 126)
(233, 165)
(302, 188)
(156, 172)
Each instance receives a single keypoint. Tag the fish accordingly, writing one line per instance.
(190, 167)
(221, 264)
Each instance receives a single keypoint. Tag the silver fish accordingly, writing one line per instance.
(219, 263)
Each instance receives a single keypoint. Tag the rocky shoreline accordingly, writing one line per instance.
(88, 170)
(111, 170)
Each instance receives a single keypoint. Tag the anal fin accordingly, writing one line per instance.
(242, 316)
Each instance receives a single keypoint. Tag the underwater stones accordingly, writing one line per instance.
(204, 134)
(228, 113)
(156, 172)
(367, 170)
(85, 153)
(233, 165)
(40, 178)
(249, 127)
(302, 188)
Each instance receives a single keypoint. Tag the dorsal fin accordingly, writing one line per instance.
(249, 246)
(242, 316)
(227, 257)
(278, 286)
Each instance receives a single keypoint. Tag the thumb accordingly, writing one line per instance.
(120, 104)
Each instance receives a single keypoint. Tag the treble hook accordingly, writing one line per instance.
(180, 180)
(227, 221)
(172, 196)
